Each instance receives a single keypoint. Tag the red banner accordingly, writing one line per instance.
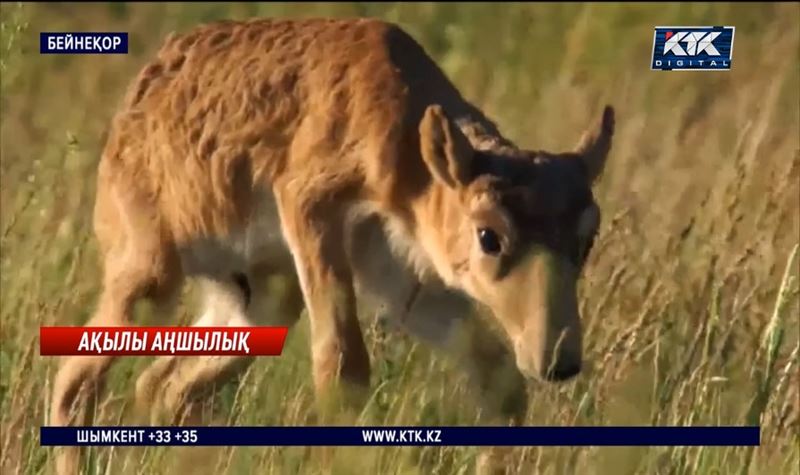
(146, 341)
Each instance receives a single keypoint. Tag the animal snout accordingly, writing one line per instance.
(563, 371)
(545, 366)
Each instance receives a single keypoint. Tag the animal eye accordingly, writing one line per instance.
(585, 247)
(588, 224)
(490, 243)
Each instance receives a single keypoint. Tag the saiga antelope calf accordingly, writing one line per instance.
(338, 152)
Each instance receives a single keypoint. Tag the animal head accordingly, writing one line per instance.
(513, 230)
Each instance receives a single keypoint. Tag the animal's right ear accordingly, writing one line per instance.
(596, 143)
(445, 150)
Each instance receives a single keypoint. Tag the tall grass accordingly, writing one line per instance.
(690, 298)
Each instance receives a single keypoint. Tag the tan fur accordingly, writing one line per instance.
(336, 151)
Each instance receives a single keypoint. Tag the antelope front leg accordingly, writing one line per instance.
(315, 236)
(442, 319)
(445, 320)
(491, 366)
(501, 389)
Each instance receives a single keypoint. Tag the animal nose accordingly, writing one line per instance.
(564, 372)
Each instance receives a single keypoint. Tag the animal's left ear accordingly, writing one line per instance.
(595, 144)
(445, 150)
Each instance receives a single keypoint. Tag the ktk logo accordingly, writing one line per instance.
(692, 48)
(696, 43)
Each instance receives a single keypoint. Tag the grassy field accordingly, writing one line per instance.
(690, 298)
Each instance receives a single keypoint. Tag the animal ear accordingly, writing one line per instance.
(595, 144)
(445, 150)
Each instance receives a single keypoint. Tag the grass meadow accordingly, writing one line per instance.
(690, 298)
